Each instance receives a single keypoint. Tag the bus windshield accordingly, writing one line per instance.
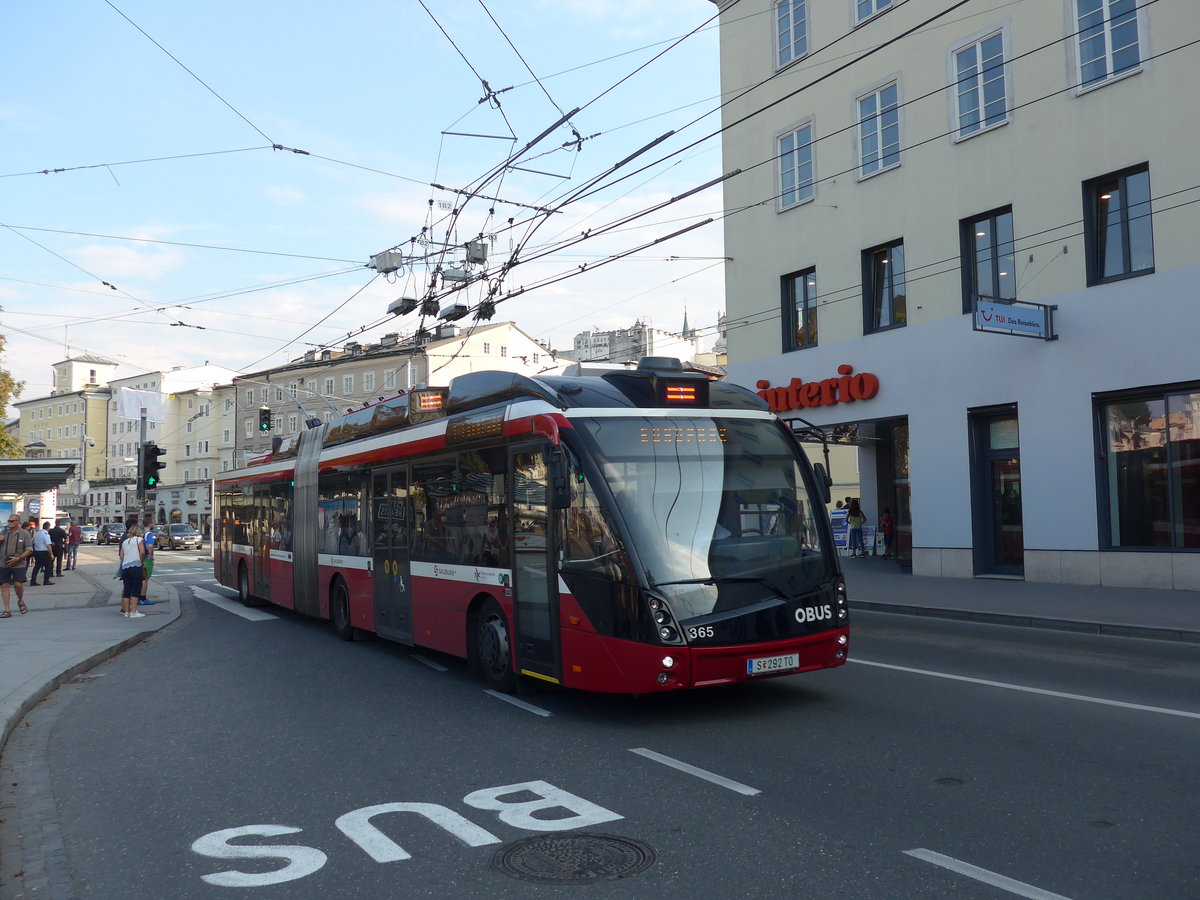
(716, 510)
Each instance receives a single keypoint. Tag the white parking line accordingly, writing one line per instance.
(1161, 710)
(528, 707)
(719, 780)
(246, 612)
(1020, 888)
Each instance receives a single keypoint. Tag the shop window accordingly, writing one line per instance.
(1117, 226)
(1151, 469)
(799, 298)
(884, 293)
(988, 258)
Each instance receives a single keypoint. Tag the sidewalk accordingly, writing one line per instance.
(73, 625)
(879, 584)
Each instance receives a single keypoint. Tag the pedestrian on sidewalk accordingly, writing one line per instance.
(16, 553)
(887, 527)
(149, 539)
(43, 555)
(58, 535)
(74, 539)
(132, 553)
(855, 519)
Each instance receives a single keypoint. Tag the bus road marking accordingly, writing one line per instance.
(246, 612)
(437, 667)
(718, 780)
(1162, 710)
(528, 707)
(1020, 888)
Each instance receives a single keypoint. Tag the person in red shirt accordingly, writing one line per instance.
(74, 539)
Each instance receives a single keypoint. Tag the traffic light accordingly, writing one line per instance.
(264, 418)
(150, 464)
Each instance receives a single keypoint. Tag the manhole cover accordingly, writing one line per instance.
(574, 858)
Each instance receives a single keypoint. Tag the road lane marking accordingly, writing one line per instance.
(437, 667)
(528, 707)
(1032, 690)
(719, 780)
(246, 612)
(1020, 888)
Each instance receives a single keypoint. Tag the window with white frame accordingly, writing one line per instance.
(291, 424)
(879, 130)
(796, 176)
(487, 348)
(980, 95)
(250, 397)
(348, 385)
(1107, 39)
(312, 387)
(389, 379)
(226, 436)
(503, 350)
(328, 387)
(864, 9)
(249, 428)
(791, 31)
(368, 381)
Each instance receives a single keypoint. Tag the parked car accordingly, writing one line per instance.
(177, 537)
(89, 533)
(110, 533)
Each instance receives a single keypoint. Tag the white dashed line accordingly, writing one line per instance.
(719, 780)
(1020, 888)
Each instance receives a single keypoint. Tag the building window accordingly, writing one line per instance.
(988, 258)
(982, 101)
(1108, 39)
(389, 379)
(1117, 226)
(368, 382)
(879, 130)
(799, 309)
(864, 9)
(884, 301)
(791, 31)
(348, 385)
(328, 387)
(249, 428)
(312, 388)
(796, 176)
(1151, 469)
(226, 436)
(487, 348)
(291, 424)
(503, 350)
(250, 397)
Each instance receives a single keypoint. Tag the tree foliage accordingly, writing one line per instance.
(10, 445)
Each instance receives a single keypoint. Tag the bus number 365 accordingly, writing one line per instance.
(700, 631)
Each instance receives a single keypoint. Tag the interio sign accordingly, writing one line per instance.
(801, 394)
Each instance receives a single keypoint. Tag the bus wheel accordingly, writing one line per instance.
(339, 612)
(492, 647)
(243, 584)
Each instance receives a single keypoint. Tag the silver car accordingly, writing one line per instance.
(89, 533)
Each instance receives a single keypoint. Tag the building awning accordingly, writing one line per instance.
(33, 476)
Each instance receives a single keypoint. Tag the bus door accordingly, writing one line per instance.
(393, 588)
(534, 580)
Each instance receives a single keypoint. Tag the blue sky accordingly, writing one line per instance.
(162, 169)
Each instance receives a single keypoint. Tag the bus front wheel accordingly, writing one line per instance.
(339, 612)
(493, 652)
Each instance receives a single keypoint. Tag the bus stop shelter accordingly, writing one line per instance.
(34, 476)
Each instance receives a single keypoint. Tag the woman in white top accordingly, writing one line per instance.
(133, 556)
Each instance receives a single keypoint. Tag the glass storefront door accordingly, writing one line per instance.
(999, 537)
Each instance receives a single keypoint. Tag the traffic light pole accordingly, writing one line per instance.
(141, 476)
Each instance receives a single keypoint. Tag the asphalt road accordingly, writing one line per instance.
(949, 760)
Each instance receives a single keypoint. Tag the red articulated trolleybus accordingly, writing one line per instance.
(643, 530)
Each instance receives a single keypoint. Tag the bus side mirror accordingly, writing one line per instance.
(824, 483)
(558, 470)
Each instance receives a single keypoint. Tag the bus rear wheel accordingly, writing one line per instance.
(243, 584)
(339, 612)
(493, 649)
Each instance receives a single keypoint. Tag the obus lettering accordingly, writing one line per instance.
(829, 392)
(550, 809)
(813, 613)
